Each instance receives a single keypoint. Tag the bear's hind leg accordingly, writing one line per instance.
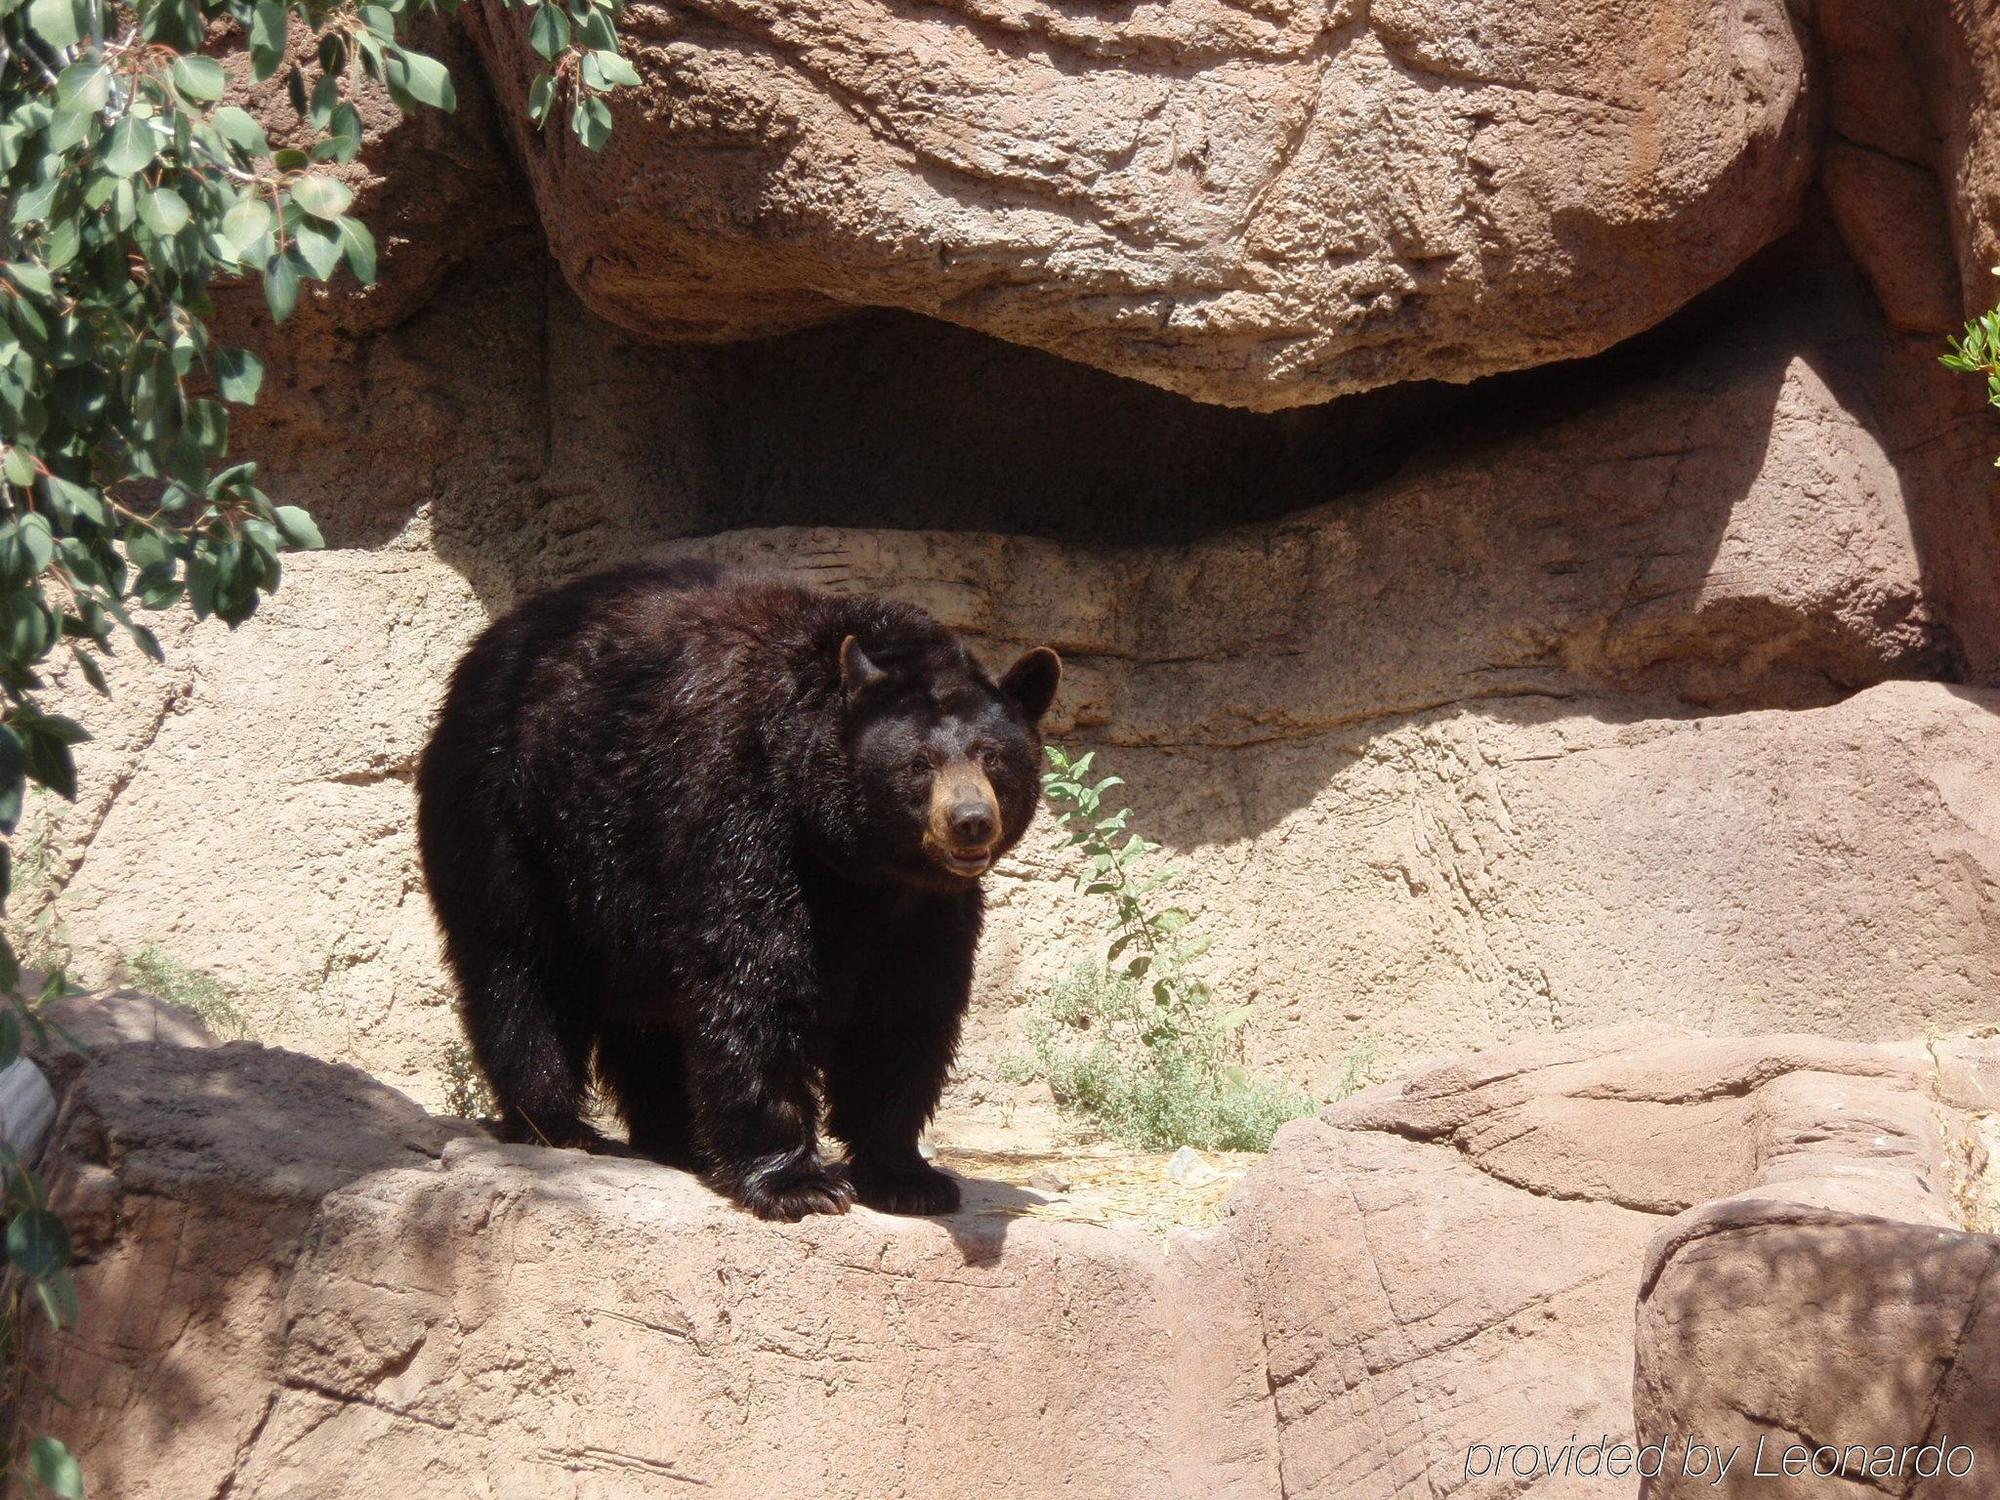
(532, 1041)
(647, 1076)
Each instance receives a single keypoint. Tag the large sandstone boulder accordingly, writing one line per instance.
(1263, 206)
(296, 1284)
(1829, 1330)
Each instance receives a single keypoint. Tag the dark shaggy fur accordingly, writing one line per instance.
(678, 825)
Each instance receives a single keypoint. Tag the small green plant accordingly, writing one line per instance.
(173, 981)
(37, 1271)
(1978, 352)
(1137, 1043)
(1357, 1068)
(466, 1093)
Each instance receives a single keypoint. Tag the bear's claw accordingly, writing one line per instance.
(918, 1188)
(790, 1198)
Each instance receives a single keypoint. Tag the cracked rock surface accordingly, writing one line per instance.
(299, 1284)
(1262, 203)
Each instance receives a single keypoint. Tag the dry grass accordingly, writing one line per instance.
(1972, 1168)
(1100, 1185)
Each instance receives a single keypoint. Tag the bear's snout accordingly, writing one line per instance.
(972, 825)
(964, 822)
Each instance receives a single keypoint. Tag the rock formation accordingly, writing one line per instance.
(1616, 660)
(299, 1284)
(1260, 205)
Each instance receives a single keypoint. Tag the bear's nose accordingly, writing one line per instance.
(972, 825)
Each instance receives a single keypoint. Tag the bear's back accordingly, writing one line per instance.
(695, 636)
(686, 667)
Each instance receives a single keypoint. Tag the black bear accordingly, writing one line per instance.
(719, 837)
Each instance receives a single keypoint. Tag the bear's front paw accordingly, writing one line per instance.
(913, 1187)
(790, 1195)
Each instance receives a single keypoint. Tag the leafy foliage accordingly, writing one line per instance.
(208, 997)
(1137, 1044)
(129, 184)
(36, 1277)
(466, 1092)
(1978, 352)
(1094, 1043)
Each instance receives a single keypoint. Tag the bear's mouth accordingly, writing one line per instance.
(969, 864)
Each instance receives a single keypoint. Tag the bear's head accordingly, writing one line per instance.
(946, 761)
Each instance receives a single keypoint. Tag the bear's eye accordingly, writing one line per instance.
(989, 757)
(918, 765)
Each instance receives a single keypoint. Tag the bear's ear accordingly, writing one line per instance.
(1032, 682)
(857, 672)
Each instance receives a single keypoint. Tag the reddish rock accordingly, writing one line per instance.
(298, 1285)
(1262, 207)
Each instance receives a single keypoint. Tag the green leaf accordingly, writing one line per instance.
(267, 38)
(57, 1294)
(92, 672)
(54, 1468)
(10, 1037)
(548, 33)
(38, 1242)
(177, 23)
(56, 22)
(241, 130)
(164, 211)
(65, 239)
(298, 528)
(343, 134)
(56, 727)
(247, 222)
(199, 79)
(594, 29)
(131, 149)
(85, 86)
(318, 247)
(604, 70)
(281, 287)
(322, 197)
(423, 79)
(359, 247)
(239, 375)
(591, 122)
(38, 546)
(30, 278)
(541, 94)
(13, 777)
(325, 95)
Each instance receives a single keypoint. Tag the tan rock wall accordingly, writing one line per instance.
(1547, 729)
